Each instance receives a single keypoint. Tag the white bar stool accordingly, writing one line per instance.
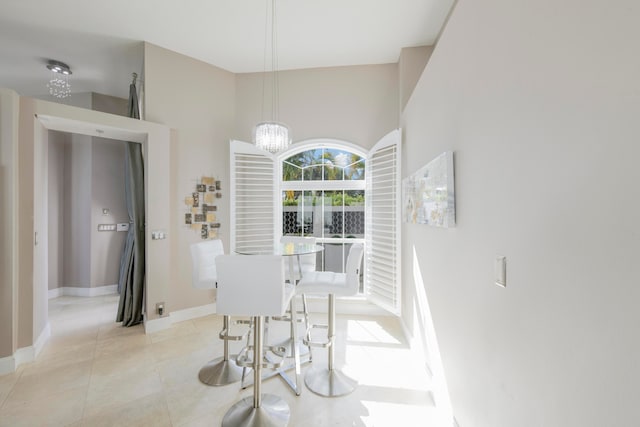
(222, 370)
(255, 286)
(331, 382)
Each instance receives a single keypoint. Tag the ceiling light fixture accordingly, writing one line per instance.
(272, 135)
(58, 85)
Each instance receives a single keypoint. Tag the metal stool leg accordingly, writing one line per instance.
(305, 313)
(222, 370)
(261, 410)
(330, 382)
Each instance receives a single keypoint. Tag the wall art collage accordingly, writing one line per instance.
(201, 205)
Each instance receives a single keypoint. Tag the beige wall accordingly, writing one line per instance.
(357, 104)
(410, 67)
(77, 224)
(58, 142)
(198, 101)
(540, 102)
(25, 224)
(107, 191)
(9, 102)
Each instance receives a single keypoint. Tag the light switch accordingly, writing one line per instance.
(501, 271)
(106, 227)
(123, 226)
(158, 235)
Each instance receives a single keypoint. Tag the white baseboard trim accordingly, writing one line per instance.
(75, 291)
(42, 339)
(355, 306)
(55, 293)
(192, 313)
(416, 347)
(155, 325)
(7, 365)
(26, 354)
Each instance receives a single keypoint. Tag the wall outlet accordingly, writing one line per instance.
(160, 309)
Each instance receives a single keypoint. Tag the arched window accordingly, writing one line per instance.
(329, 189)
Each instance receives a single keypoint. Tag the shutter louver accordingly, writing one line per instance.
(253, 195)
(382, 266)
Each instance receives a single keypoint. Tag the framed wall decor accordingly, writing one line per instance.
(428, 195)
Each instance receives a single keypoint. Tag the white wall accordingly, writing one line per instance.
(540, 101)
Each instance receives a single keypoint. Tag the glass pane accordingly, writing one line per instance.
(291, 217)
(291, 172)
(307, 213)
(343, 214)
(323, 164)
(332, 214)
(355, 171)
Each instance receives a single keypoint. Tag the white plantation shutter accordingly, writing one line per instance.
(253, 198)
(382, 255)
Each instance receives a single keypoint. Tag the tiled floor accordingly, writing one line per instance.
(93, 372)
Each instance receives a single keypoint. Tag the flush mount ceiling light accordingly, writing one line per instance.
(58, 85)
(271, 135)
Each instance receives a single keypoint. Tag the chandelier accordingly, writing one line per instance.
(58, 85)
(271, 135)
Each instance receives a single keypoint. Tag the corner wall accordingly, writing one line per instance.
(9, 102)
(540, 102)
(198, 101)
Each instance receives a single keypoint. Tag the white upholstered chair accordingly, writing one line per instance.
(330, 382)
(222, 370)
(254, 285)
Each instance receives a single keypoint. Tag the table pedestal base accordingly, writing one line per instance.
(273, 412)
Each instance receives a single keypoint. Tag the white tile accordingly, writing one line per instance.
(94, 372)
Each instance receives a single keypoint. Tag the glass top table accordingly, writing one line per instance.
(284, 249)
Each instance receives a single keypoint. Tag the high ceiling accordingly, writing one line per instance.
(101, 41)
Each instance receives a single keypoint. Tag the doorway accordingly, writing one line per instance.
(155, 140)
(87, 214)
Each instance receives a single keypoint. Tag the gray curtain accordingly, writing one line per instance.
(132, 263)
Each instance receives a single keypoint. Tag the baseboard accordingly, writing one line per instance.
(416, 346)
(354, 306)
(26, 354)
(156, 325)
(7, 365)
(42, 340)
(75, 291)
(192, 313)
(55, 293)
